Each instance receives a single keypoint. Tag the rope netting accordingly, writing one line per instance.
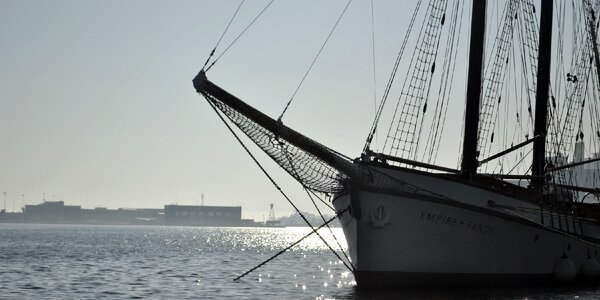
(564, 130)
(311, 171)
(404, 132)
(495, 78)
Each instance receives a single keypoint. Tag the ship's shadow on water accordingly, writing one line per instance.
(537, 292)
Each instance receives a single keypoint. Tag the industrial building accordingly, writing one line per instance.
(203, 215)
(56, 212)
(52, 212)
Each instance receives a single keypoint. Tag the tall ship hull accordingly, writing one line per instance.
(470, 236)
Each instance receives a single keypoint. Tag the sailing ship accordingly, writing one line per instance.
(410, 222)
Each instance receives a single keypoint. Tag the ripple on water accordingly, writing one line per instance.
(73, 262)
(30, 286)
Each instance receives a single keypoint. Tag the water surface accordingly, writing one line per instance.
(134, 262)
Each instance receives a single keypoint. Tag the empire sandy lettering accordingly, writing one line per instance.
(453, 221)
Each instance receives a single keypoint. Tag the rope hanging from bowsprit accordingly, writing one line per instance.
(314, 230)
(351, 269)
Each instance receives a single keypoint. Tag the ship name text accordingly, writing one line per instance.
(455, 222)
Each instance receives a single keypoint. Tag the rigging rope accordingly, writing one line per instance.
(566, 124)
(314, 230)
(239, 35)
(222, 35)
(373, 52)
(330, 230)
(319, 211)
(405, 129)
(322, 201)
(314, 60)
(450, 83)
(391, 80)
(445, 87)
(495, 79)
(272, 180)
(426, 98)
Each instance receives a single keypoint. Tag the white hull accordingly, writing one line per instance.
(404, 240)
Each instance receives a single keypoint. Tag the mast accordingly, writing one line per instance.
(469, 159)
(541, 99)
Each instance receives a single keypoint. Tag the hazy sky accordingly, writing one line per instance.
(97, 105)
(98, 108)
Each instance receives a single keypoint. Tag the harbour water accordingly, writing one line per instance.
(157, 262)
